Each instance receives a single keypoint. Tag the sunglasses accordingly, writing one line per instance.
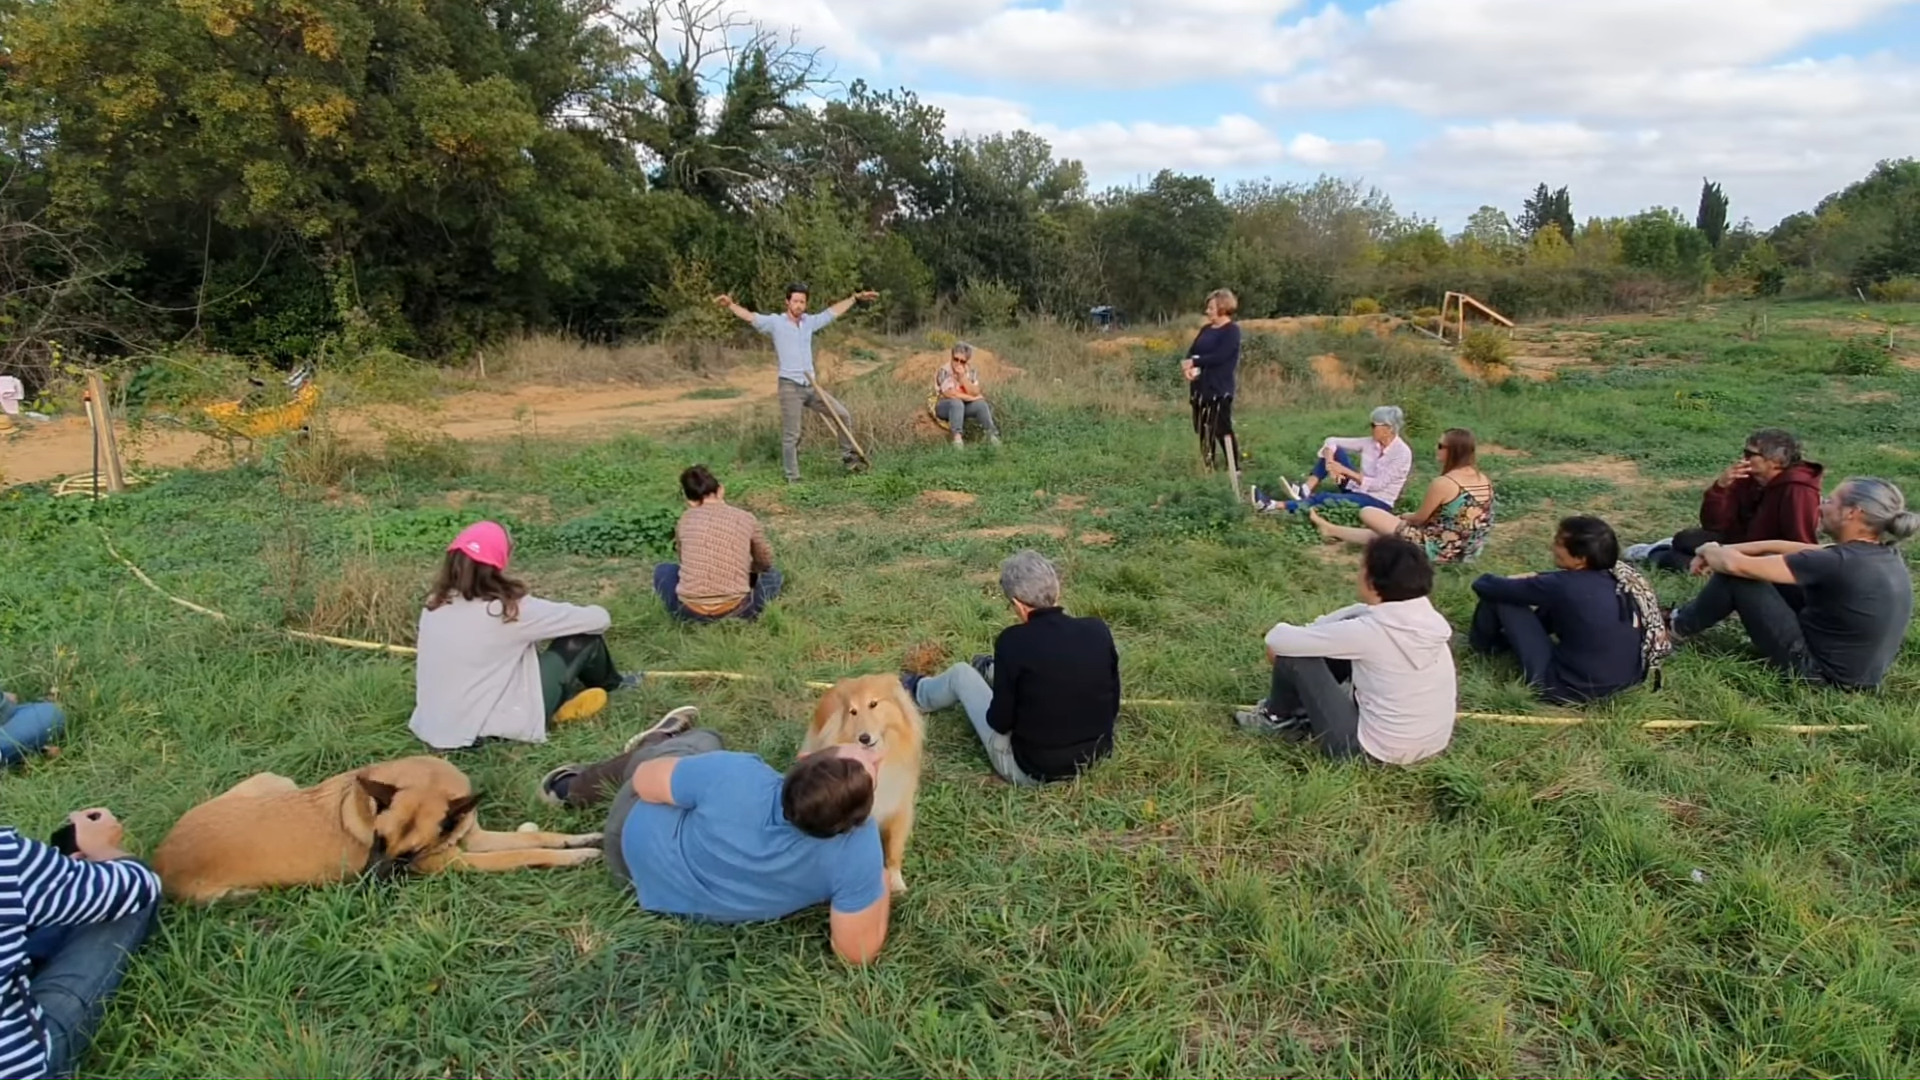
(1750, 452)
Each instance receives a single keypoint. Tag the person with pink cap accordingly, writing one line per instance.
(481, 672)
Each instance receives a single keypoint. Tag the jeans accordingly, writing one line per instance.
(794, 399)
(75, 970)
(762, 588)
(1321, 498)
(612, 779)
(1771, 614)
(25, 730)
(964, 686)
(1213, 422)
(956, 413)
(573, 664)
(1323, 690)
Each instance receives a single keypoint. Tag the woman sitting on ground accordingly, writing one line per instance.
(1575, 630)
(1375, 479)
(480, 672)
(1453, 520)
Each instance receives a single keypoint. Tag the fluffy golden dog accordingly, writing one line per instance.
(876, 711)
(411, 815)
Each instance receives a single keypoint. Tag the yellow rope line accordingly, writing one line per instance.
(1172, 703)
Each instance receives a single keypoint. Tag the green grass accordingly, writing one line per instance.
(712, 393)
(1203, 903)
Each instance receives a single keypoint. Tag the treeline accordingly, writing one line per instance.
(300, 178)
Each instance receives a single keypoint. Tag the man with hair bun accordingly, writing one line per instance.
(1834, 614)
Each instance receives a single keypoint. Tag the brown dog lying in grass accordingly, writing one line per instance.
(412, 815)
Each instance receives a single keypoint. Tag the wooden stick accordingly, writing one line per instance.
(833, 419)
(109, 445)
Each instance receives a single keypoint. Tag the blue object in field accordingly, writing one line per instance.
(1105, 317)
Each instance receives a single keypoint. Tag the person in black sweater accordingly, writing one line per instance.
(1572, 630)
(1044, 705)
(1210, 368)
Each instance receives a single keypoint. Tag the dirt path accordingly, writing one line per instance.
(65, 447)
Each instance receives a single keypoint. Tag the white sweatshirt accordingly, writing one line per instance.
(1403, 676)
(478, 676)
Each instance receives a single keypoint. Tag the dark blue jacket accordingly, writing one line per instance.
(1596, 650)
(1216, 352)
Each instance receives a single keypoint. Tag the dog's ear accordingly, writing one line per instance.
(382, 793)
(826, 711)
(457, 810)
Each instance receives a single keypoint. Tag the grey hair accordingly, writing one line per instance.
(1028, 577)
(962, 349)
(1391, 415)
(1882, 507)
(1776, 445)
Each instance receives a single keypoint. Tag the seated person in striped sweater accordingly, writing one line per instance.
(67, 926)
(726, 567)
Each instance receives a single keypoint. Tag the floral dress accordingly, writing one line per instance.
(1458, 529)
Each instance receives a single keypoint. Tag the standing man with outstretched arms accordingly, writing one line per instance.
(792, 334)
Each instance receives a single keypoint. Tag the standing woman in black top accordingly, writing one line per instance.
(1210, 368)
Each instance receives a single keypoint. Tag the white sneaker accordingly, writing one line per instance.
(675, 722)
(1293, 493)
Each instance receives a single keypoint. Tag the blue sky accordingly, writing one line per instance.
(1444, 104)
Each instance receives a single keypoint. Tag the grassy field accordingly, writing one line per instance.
(1593, 900)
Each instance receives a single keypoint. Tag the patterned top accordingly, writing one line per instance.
(1458, 529)
(945, 381)
(41, 887)
(720, 548)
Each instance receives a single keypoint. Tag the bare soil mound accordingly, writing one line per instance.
(919, 369)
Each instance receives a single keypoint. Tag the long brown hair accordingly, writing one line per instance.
(460, 575)
(1458, 450)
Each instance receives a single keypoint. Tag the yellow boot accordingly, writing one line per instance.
(586, 703)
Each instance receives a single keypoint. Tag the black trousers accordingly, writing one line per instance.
(1679, 557)
(1213, 422)
(1322, 690)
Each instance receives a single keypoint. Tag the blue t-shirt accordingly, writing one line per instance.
(725, 851)
(793, 342)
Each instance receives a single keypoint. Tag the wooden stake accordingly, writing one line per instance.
(103, 433)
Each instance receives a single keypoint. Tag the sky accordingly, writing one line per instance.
(1447, 105)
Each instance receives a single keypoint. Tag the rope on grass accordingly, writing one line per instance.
(1138, 703)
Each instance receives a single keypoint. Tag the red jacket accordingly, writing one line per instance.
(1785, 508)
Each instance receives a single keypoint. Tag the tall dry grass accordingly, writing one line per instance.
(555, 360)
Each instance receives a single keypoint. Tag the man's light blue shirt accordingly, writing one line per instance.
(793, 342)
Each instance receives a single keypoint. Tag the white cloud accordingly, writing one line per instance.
(1309, 149)
(1134, 43)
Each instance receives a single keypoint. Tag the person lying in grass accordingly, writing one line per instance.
(726, 566)
(1373, 680)
(1368, 471)
(1454, 518)
(704, 833)
(25, 730)
(1576, 630)
(1045, 703)
(1834, 614)
(481, 673)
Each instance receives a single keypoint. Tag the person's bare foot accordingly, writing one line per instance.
(1322, 525)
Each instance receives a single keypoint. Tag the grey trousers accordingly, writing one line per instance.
(956, 413)
(613, 778)
(794, 400)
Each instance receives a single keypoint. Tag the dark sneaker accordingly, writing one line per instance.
(912, 683)
(554, 786)
(1258, 719)
(983, 663)
(674, 723)
(631, 680)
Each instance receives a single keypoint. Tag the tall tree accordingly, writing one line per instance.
(1547, 207)
(1712, 218)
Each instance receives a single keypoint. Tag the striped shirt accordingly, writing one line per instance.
(41, 887)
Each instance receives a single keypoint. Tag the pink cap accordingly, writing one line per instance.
(484, 542)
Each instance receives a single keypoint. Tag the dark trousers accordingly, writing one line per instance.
(1679, 557)
(1322, 691)
(573, 664)
(1213, 422)
(762, 589)
(75, 970)
(612, 780)
(1520, 630)
(1771, 614)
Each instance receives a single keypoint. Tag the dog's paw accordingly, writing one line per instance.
(578, 856)
(896, 882)
(585, 839)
